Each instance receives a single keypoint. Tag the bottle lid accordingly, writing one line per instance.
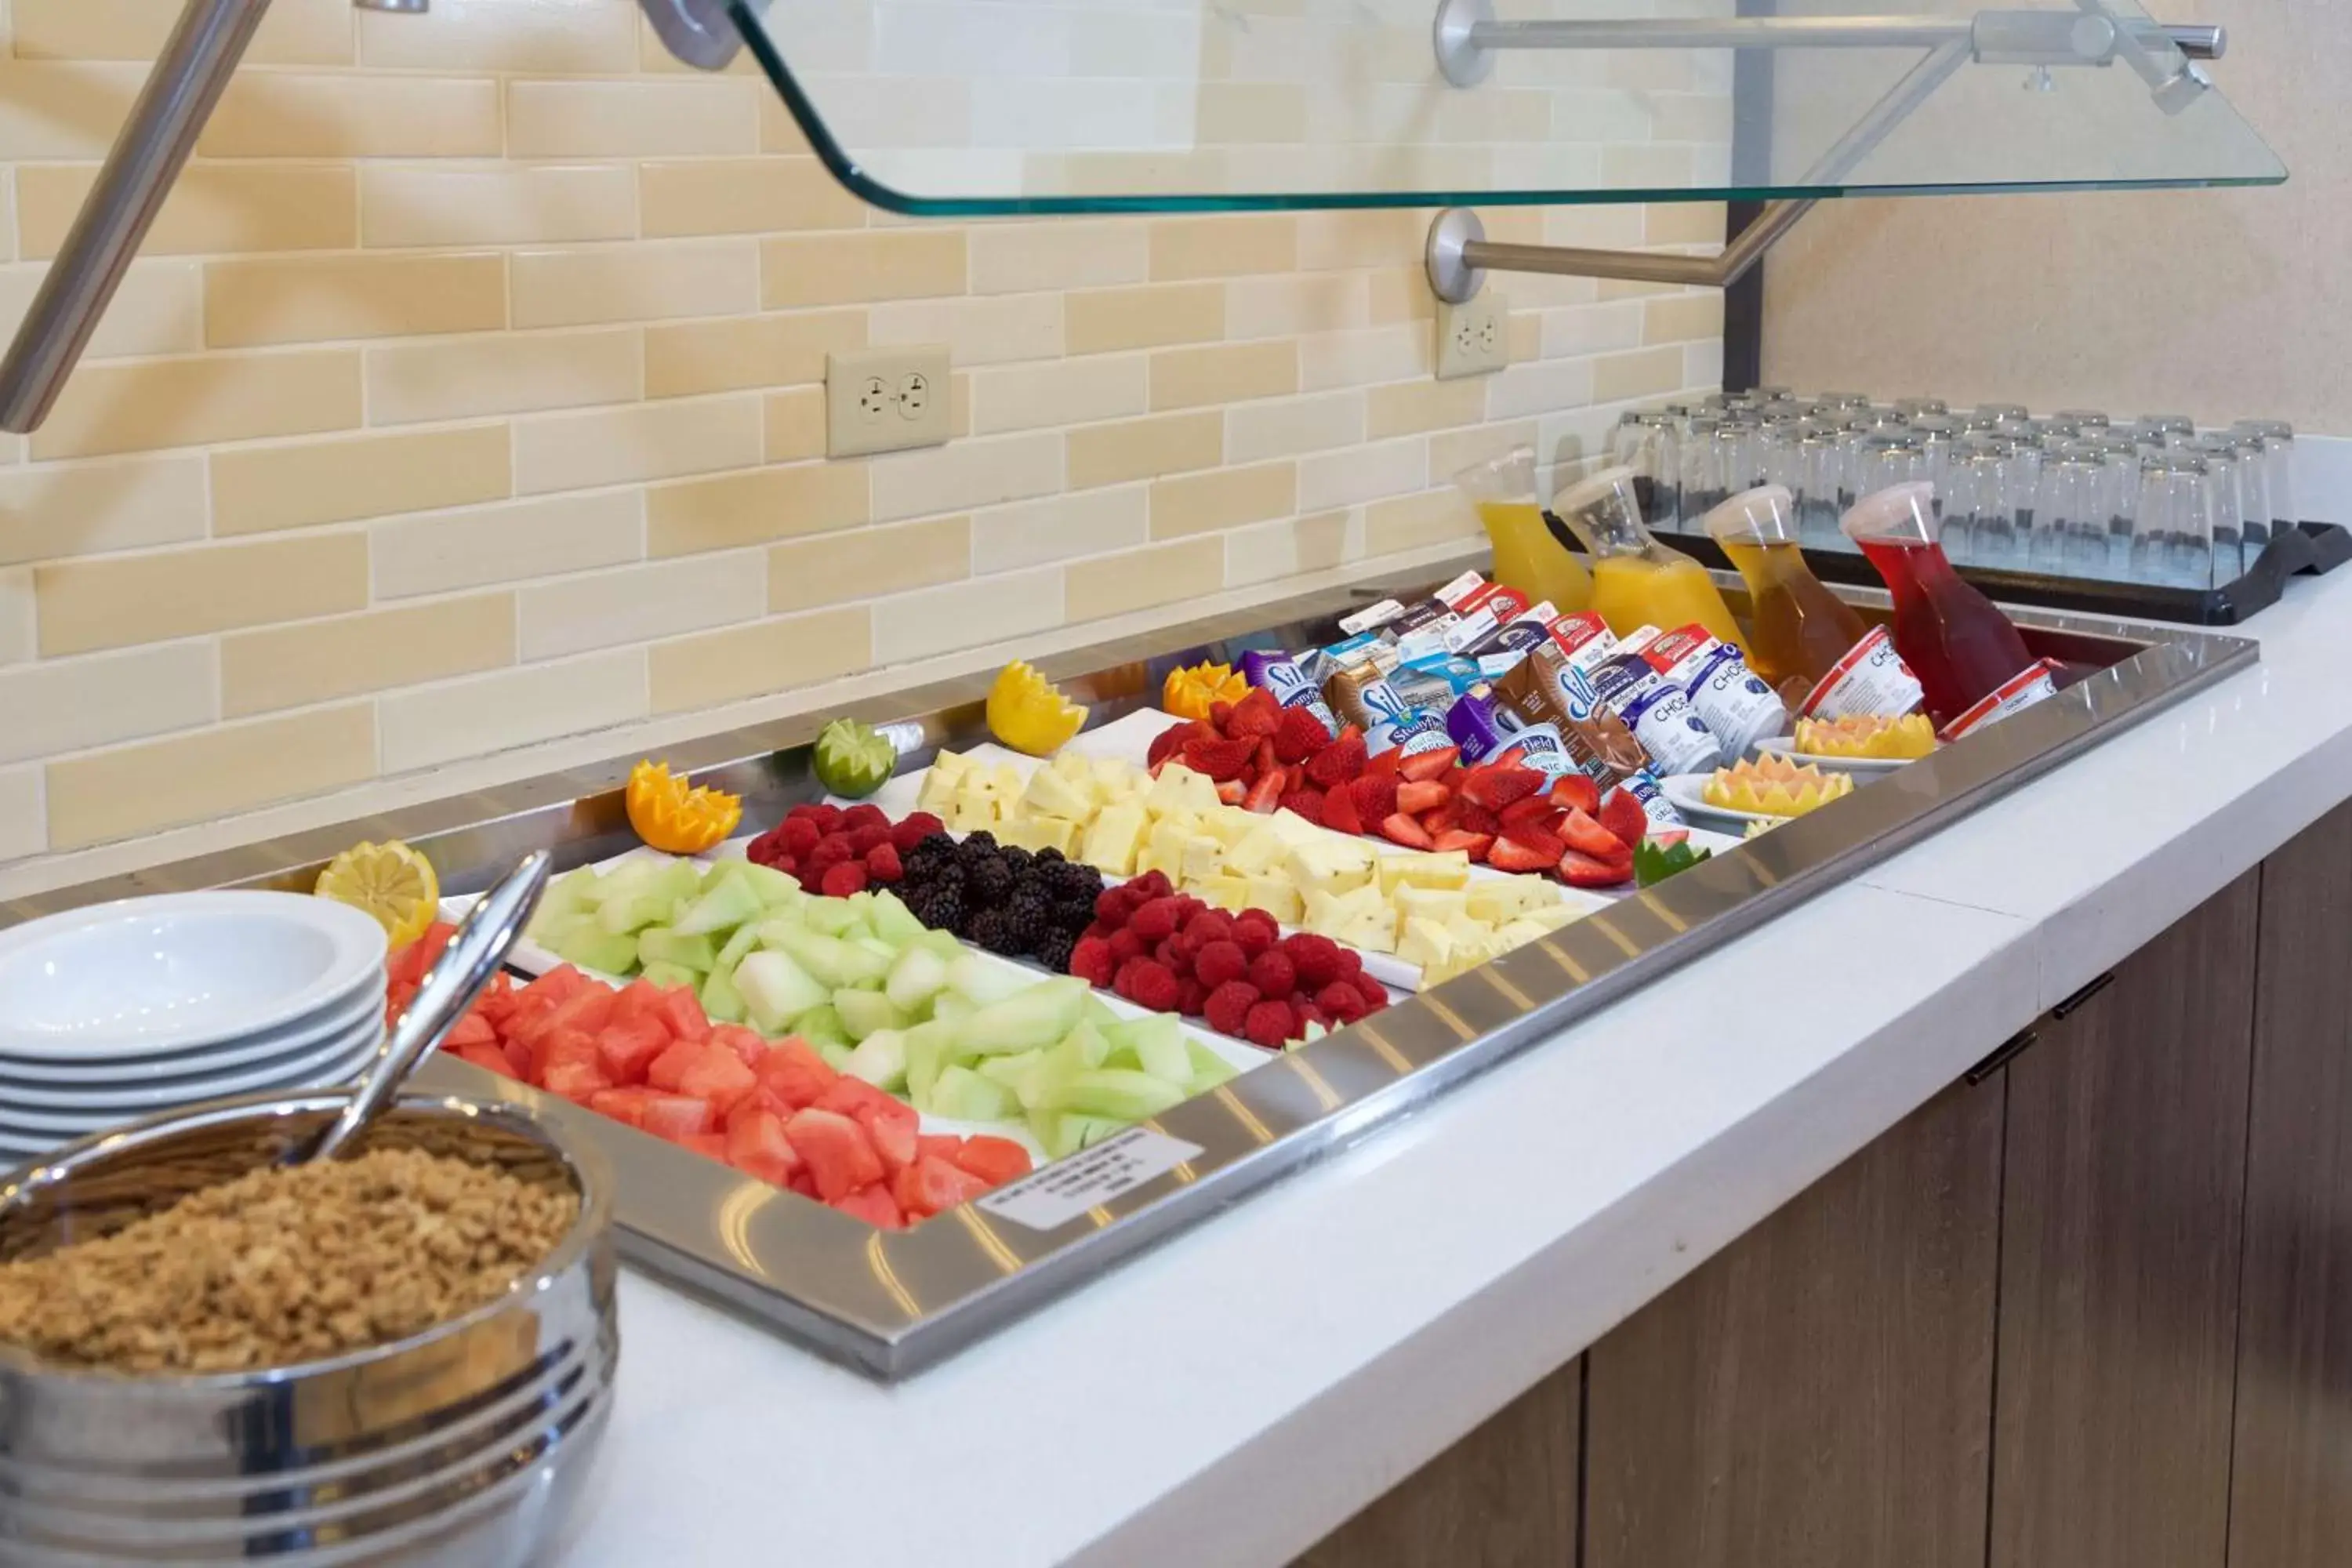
(1585, 494)
(1899, 512)
(1761, 514)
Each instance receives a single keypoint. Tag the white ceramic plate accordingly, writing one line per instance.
(366, 1007)
(151, 975)
(1687, 791)
(331, 1068)
(301, 1069)
(1860, 767)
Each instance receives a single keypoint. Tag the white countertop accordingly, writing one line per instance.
(1233, 1395)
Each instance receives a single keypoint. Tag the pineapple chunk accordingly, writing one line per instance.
(1115, 778)
(1294, 829)
(1441, 904)
(1460, 960)
(1203, 857)
(1168, 841)
(941, 781)
(1450, 870)
(973, 813)
(1040, 833)
(1146, 859)
(1551, 917)
(1230, 824)
(1498, 899)
(1169, 794)
(1426, 943)
(1333, 864)
(1278, 895)
(1466, 930)
(1114, 837)
(1051, 794)
(1199, 794)
(1227, 892)
(1076, 767)
(1003, 782)
(1375, 929)
(1259, 851)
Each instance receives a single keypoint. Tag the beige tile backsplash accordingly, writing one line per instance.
(468, 396)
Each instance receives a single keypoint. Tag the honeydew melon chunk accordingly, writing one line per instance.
(777, 993)
(829, 916)
(630, 914)
(1101, 1014)
(1158, 1043)
(1037, 1015)
(1081, 1051)
(669, 976)
(832, 962)
(668, 944)
(1125, 1095)
(966, 1096)
(721, 1003)
(746, 937)
(818, 1024)
(882, 950)
(880, 1057)
(892, 920)
(835, 1054)
(942, 942)
(926, 1047)
(984, 983)
(1208, 1068)
(953, 1008)
(774, 887)
(919, 976)
(1065, 1134)
(866, 1012)
(1008, 1072)
(591, 946)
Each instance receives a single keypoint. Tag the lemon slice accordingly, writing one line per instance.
(388, 880)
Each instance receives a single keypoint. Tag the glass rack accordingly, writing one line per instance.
(959, 108)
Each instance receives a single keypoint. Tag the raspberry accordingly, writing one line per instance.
(1375, 994)
(915, 830)
(1191, 998)
(826, 818)
(1352, 964)
(1255, 931)
(1114, 906)
(1227, 1008)
(868, 837)
(1341, 1001)
(1219, 962)
(1312, 1016)
(800, 836)
(1152, 885)
(841, 881)
(1164, 954)
(1091, 961)
(1151, 984)
(1155, 921)
(1272, 973)
(1316, 959)
(1100, 930)
(1269, 1023)
(1126, 946)
(1187, 906)
(864, 814)
(1185, 949)
(829, 853)
(882, 862)
(1299, 735)
(1208, 926)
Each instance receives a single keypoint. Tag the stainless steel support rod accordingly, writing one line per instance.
(189, 75)
(2198, 41)
(1697, 271)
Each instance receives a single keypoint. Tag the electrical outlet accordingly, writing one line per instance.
(1474, 337)
(885, 400)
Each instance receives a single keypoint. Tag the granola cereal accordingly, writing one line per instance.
(283, 1266)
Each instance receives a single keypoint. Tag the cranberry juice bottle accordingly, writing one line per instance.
(1955, 641)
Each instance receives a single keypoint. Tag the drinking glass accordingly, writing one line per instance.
(1636, 442)
(2122, 492)
(2083, 420)
(1912, 407)
(1843, 402)
(2254, 508)
(2176, 527)
(1993, 516)
(1698, 473)
(1938, 434)
(2278, 458)
(2224, 505)
(2071, 514)
(1738, 456)
(1822, 498)
(2152, 428)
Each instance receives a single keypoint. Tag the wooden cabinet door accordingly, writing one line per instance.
(2125, 1183)
(1818, 1395)
(2291, 1502)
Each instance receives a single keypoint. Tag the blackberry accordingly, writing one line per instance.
(998, 932)
(980, 846)
(1072, 881)
(942, 909)
(1054, 950)
(1073, 914)
(1018, 859)
(937, 849)
(1030, 904)
(987, 883)
(1049, 856)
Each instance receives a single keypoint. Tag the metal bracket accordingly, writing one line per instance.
(1466, 35)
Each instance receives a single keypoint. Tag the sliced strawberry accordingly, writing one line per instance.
(1474, 844)
(1255, 716)
(1402, 829)
(1576, 792)
(1585, 872)
(1340, 762)
(1219, 760)
(1294, 776)
(1230, 792)
(1305, 803)
(1510, 854)
(1473, 818)
(1339, 811)
(1376, 794)
(1422, 766)
(1622, 815)
(1534, 808)
(1585, 837)
(1266, 794)
(1264, 760)
(1301, 735)
(1537, 838)
(1384, 766)
(1172, 739)
(1415, 798)
(1497, 787)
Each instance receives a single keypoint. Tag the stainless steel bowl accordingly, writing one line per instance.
(464, 1445)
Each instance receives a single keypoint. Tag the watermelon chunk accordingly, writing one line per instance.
(629, 1049)
(795, 1073)
(677, 1117)
(709, 1145)
(930, 1186)
(995, 1160)
(623, 1104)
(875, 1205)
(638, 999)
(840, 1157)
(489, 1058)
(717, 1075)
(473, 1029)
(667, 1071)
(757, 1145)
(576, 1080)
(681, 1011)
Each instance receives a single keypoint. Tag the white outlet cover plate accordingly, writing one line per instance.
(886, 400)
(1473, 338)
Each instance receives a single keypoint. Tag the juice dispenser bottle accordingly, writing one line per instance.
(1798, 630)
(1527, 556)
(1636, 581)
(1956, 641)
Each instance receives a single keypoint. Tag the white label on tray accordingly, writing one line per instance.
(1063, 1190)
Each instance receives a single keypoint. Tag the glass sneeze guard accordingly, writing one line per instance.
(974, 108)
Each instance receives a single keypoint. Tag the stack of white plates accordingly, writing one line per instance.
(119, 1012)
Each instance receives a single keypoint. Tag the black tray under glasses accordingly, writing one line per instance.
(2307, 550)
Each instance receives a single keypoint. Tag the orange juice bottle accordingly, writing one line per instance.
(1800, 629)
(1636, 581)
(1527, 556)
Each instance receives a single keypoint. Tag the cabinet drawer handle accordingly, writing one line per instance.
(2016, 1045)
(2084, 995)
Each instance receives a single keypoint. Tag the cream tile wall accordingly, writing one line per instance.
(467, 397)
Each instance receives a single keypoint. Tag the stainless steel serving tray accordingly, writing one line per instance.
(893, 1303)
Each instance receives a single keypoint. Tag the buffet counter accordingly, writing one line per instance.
(1238, 1392)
